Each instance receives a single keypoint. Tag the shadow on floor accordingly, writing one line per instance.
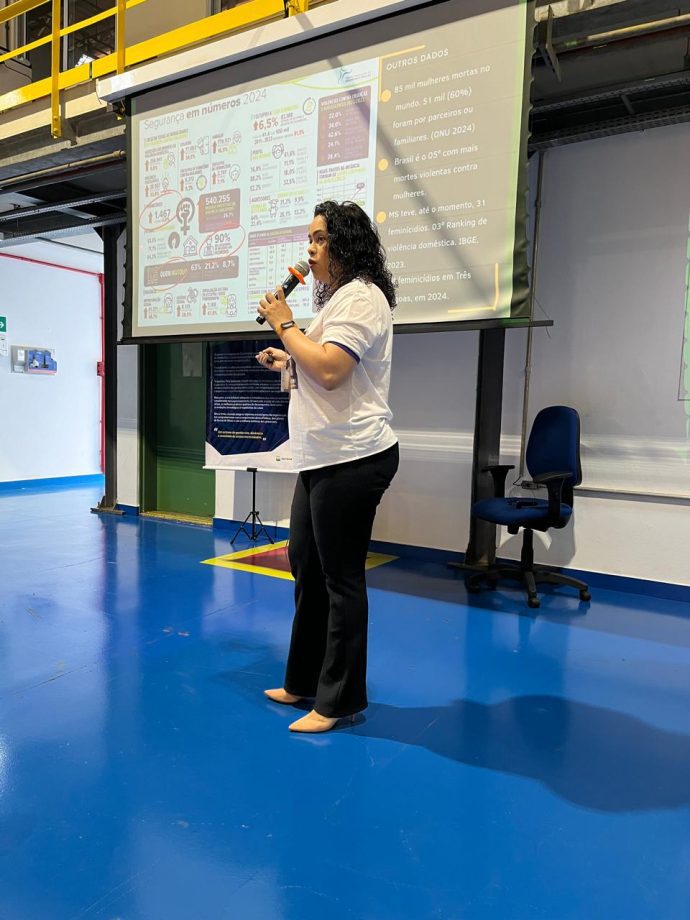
(594, 757)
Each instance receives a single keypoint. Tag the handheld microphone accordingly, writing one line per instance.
(296, 276)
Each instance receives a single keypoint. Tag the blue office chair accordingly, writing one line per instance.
(553, 460)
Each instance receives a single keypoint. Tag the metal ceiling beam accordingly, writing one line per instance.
(12, 239)
(609, 128)
(33, 210)
(671, 81)
(53, 174)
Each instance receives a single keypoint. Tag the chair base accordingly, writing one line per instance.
(530, 578)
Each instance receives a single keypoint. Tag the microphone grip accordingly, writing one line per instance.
(262, 319)
(287, 287)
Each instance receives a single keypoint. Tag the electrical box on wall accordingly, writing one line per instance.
(32, 359)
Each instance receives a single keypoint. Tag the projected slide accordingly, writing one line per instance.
(423, 131)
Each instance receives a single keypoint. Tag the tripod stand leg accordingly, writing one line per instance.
(253, 516)
(255, 532)
(263, 529)
(241, 529)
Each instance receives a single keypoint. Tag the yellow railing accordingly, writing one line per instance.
(244, 16)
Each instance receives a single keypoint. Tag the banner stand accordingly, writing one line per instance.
(253, 516)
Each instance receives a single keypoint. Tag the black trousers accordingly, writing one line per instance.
(332, 516)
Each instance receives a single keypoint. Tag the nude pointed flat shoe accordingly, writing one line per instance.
(280, 695)
(313, 723)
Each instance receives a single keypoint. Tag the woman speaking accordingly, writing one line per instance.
(338, 372)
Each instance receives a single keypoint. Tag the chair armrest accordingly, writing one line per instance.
(499, 471)
(554, 483)
(544, 478)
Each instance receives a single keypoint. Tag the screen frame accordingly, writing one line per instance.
(520, 305)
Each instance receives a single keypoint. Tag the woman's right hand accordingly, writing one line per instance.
(273, 358)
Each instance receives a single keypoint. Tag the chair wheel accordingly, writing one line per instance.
(585, 595)
(533, 602)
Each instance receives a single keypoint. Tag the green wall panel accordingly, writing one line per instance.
(177, 431)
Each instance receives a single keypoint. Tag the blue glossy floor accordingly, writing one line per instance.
(511, 765)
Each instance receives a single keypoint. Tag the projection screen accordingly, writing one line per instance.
(419, 117)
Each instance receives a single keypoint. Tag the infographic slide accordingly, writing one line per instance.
(423, 132)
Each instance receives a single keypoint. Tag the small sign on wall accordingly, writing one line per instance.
(31, 359)
(3, 324)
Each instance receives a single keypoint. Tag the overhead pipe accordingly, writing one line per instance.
(625, 33)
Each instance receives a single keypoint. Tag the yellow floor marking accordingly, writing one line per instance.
(234, 560)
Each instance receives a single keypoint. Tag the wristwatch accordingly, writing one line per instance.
(288, 325)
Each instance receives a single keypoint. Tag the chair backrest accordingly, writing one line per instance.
(554, 446)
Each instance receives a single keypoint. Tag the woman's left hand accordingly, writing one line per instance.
(275, 309)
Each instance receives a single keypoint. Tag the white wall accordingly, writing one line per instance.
(612, 275)
(612, 267)
(50, 424)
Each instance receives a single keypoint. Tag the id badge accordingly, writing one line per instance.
(288, 376)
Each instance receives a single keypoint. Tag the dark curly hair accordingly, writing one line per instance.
(354, 250)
